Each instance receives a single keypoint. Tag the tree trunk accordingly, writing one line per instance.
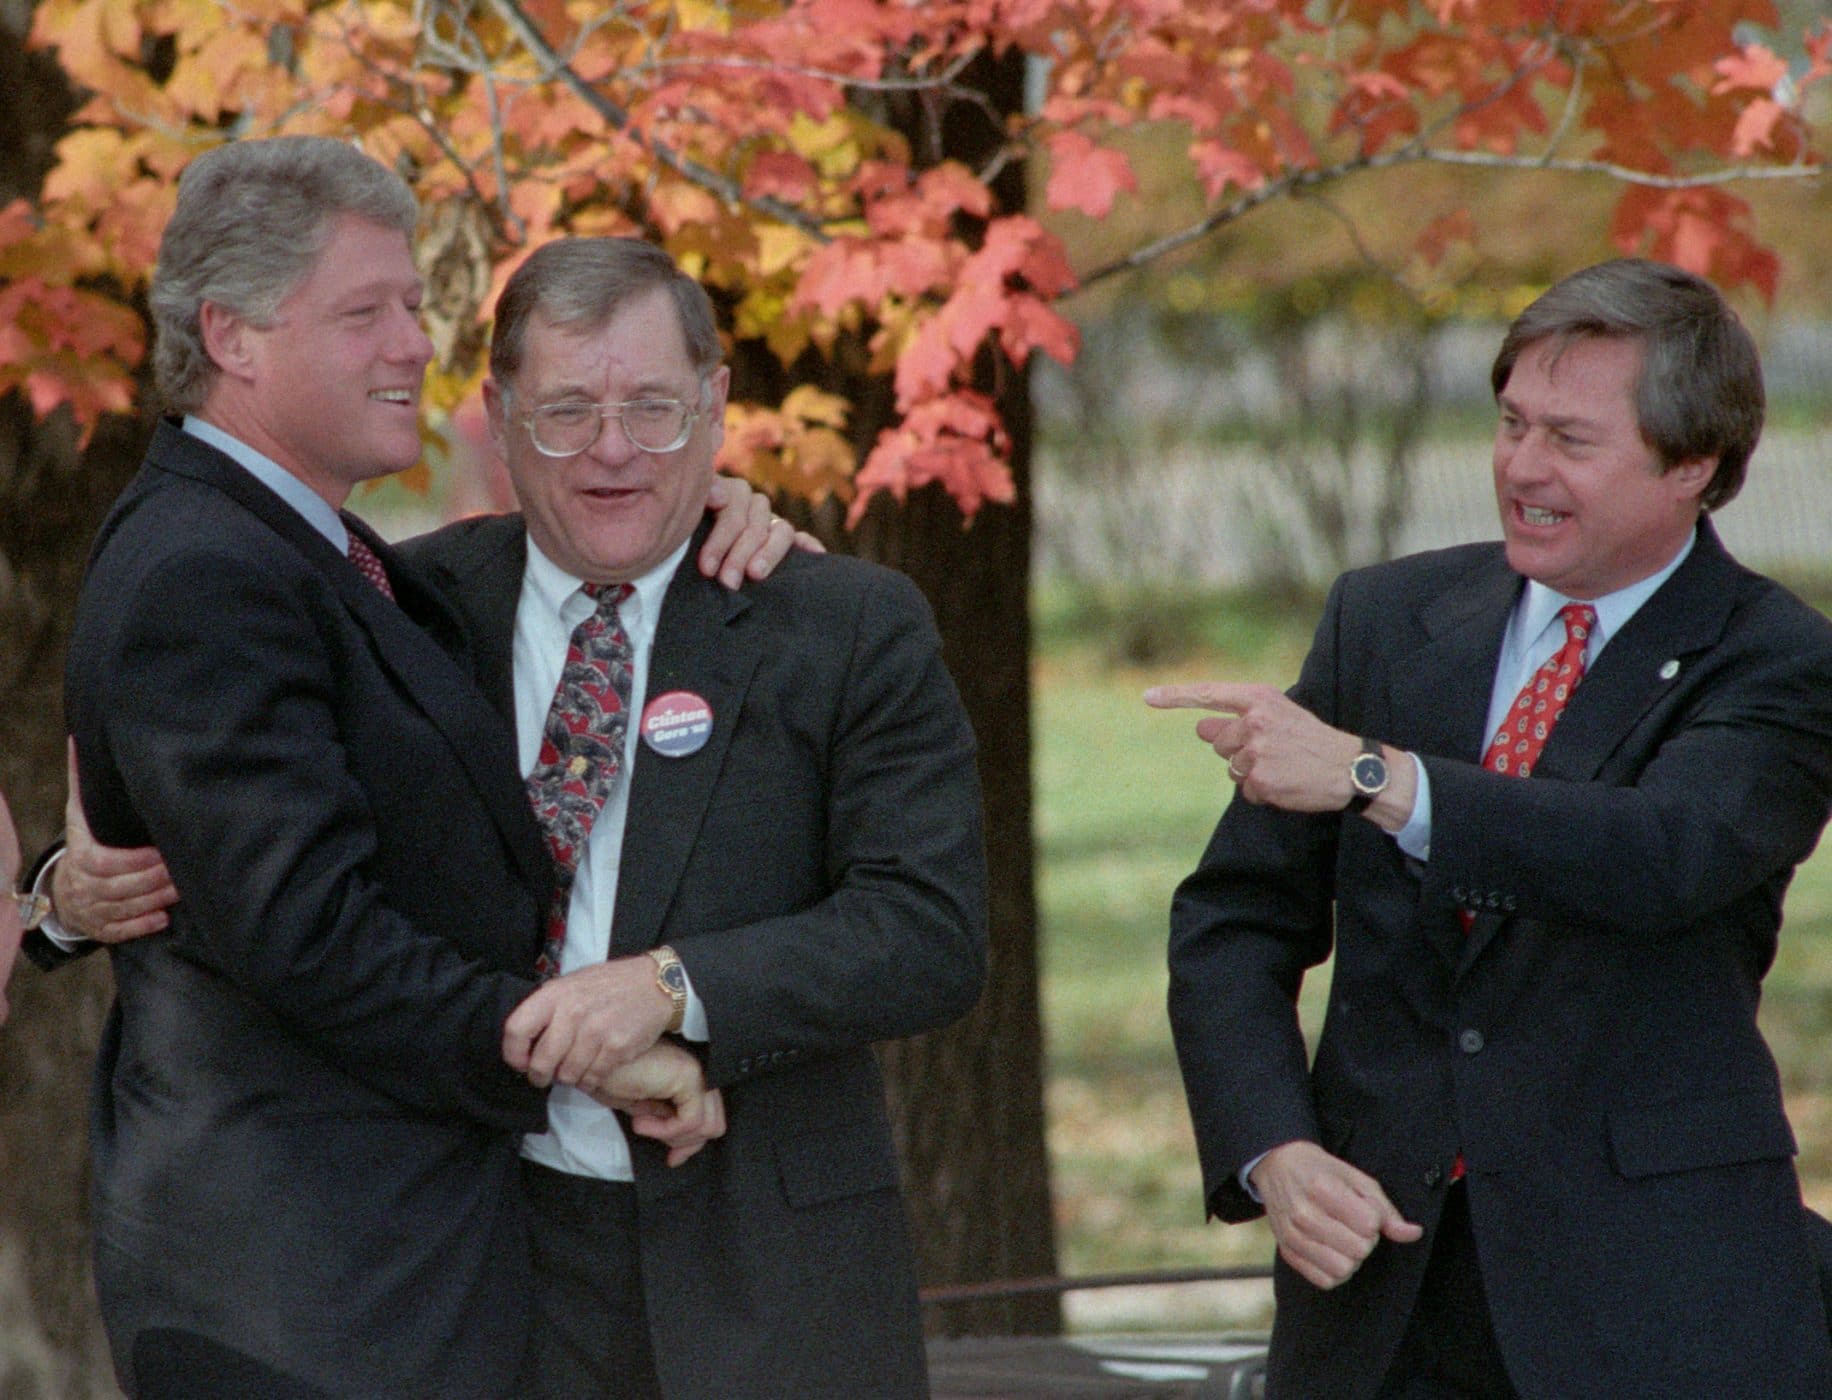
(968, 1101)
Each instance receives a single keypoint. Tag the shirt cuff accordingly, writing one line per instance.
(1246, 1183)
(1414, 837)
(52, 928)
(693, 1020)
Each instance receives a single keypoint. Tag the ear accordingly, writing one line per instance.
(497, 412)
(1692, 476)
(227, 339)
(718, 386)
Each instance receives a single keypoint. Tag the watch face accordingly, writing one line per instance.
(1369, 772)
(674, 978)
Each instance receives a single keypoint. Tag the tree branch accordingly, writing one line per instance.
(618, 119)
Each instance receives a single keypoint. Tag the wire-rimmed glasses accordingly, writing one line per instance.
(32, 907)
(651, 424)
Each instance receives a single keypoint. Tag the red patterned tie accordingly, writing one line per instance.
(581, 750)
(369, 566)
(1518, 743)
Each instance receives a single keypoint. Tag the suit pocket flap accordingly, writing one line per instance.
(834, 1162)
(1691, 1133)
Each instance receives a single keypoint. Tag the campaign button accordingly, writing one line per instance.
(676, 724)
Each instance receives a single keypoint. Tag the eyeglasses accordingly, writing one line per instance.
(32, 908)
(653, 425)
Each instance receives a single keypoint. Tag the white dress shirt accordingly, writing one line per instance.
(583, 1137)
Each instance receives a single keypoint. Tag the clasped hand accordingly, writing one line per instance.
(599, 1029)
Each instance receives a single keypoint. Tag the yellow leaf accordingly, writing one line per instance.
(813, 405)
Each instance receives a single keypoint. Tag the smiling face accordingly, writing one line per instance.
(330, 390)
(1585, 506)
(612, 512)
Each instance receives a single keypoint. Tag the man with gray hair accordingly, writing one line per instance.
(305, 1133)
(1542, 799)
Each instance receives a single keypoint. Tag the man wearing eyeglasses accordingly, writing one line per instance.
(789, 868)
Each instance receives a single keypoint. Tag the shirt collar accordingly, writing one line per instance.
(276, 478)
(1539, 605)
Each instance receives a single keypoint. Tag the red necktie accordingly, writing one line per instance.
(1518, 743)
(1522, 737)
(581, 750)
(369, 566)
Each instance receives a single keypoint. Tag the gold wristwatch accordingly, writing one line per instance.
(671, 977)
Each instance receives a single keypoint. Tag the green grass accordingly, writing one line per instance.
(1126, 798)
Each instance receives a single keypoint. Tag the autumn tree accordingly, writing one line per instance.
(863, 184)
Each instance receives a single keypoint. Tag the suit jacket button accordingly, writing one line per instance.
(1433, 1174)
(744, 1065)
(1470, 1042)
(1458, 893)
(1509, 904)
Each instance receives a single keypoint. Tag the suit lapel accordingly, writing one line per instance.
(1440, 692)
(1686, 616)
(700, 647)
(423, 671)
(1640, 664)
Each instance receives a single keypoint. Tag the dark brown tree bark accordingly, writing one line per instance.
(968, 1101)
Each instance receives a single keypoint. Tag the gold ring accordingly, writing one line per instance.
(1233, 772)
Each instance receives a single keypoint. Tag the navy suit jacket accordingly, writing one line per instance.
(1591, 1045)
(819, 868)
(304, 1135)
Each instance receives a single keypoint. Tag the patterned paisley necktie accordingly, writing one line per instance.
(581, 750)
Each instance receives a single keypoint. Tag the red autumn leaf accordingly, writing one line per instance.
(1085, 176)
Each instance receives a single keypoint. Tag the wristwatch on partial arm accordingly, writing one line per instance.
(671, 977)
(1367, 775)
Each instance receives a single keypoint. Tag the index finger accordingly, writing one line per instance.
(1228, 697)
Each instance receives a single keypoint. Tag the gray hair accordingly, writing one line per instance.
(1699, 393)
(580, 283)
(252, 218)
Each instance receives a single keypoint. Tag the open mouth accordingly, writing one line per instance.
(1540, 515)
(399, 396)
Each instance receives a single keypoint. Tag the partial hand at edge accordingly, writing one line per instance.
(747, 538)
(109, 894)
(665, 1093)
(10, 930)
(579, 1028)
(1326, 1215)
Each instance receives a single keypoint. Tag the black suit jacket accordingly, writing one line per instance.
(818, 866)
(304, 1134)
(1591, 1045)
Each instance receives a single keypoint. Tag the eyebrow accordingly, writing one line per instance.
(1550, 420)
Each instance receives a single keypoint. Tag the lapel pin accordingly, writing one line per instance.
(676, 724)
(1669, 670)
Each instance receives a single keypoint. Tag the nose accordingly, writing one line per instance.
(613, 446)
(1523, 459)
(408, 342)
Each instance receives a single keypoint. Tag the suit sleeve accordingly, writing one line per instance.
(1244, 928)
(224, 747)
(898, 945)
(1734, 796)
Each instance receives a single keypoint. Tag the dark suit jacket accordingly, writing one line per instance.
(818, 866)
(304, 1134)
(1591, 1046)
